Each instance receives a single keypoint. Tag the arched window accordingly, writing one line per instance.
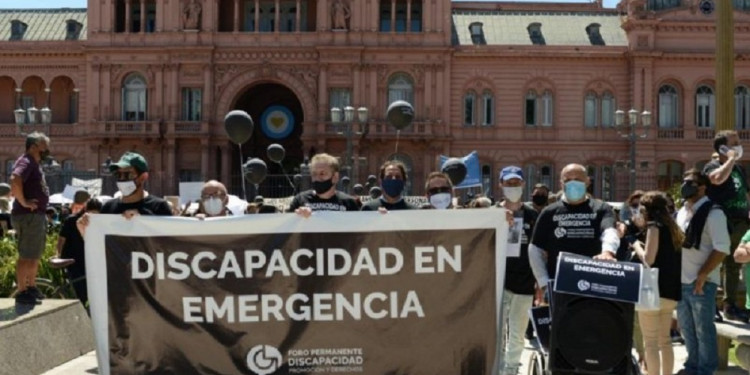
(400, 87)
(668, 104)
(134, 98)
(488, 108)
(547, 107)
(469, 106)
(669, 173)
(608, 109)
(705, 106)
(530, 108)
(742, 108)
(589, 110)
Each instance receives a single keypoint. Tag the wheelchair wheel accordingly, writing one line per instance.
(536, 364)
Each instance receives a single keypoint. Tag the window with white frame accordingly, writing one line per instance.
(547, 107)
(608, 109)
(704, 107)
(530, 108)
(589, 110)
(469, 105)
(134, 98)
(742, 108)
(668, 104)
(191, 104)
(488, 108)
(400, 87)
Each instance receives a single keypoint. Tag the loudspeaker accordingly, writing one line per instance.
(590, 336)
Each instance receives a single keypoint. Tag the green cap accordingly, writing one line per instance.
(130, 159)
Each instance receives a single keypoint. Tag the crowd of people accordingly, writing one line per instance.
(688, 246)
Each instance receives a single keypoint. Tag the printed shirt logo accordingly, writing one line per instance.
(264, 359)
(560, 232)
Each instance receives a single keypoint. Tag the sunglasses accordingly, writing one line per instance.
(437, 190)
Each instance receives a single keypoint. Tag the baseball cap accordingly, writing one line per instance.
(511, 172)
(130, 159)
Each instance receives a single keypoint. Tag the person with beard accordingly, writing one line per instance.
(392, 180)
(324, 172)
(518, 296)
(28, 215)
(706, 244)
(439, 190)
(131, 173)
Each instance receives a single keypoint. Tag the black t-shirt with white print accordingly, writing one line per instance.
(338, 202)
(572, 228)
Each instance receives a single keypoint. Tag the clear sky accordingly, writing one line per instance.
(25, 4)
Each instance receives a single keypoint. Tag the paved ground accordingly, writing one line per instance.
(86, 364)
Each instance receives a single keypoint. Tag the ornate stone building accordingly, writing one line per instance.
(535, 85)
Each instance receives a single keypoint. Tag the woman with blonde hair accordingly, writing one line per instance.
(662, 250)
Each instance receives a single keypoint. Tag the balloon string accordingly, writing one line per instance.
(286, 175)
(398, 133)
(242, 173)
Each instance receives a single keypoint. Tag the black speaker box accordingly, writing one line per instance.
(590, 336)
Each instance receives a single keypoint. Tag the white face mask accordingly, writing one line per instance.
(127, 188)
(213, 206)
(738, 151)
(441, 201)
(513, 194)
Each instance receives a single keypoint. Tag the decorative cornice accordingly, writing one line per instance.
(278, 56)
(39, 67)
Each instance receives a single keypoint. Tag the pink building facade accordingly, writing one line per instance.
(535, 85)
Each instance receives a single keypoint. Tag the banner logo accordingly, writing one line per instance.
(277, 122)
(264, 359)
(583, 285)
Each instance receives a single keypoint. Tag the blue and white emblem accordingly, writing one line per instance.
(277, 122)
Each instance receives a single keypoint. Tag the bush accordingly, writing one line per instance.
(9, 255)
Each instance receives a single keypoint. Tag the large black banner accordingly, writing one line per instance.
(295, 302)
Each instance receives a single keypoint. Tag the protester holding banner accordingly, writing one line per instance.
(518, 296)
(28, 215)
(576, 224)
(324, 172)
(439, 191)
(131, 173)
(214, 199)
(661, 250)
(706, 244)
(392, 180)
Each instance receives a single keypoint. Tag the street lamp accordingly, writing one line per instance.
(349, 121)
(20, 114)
(631, 135)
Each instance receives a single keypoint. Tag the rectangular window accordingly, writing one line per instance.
(531, 111)
(400, 16)
(547, 103)
(249, 24)
(135, 105)
(489, 110)
(340, 98)
(191, 104)
(608, 111)
(385, 16)
(469, 110)
(589, 112)
(667, 111)
(150, 17)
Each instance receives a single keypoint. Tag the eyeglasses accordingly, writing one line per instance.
(219, 195)
(437, 190)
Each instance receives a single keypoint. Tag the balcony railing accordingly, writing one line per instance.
(677, 133)
(381, 129)
(703, 133)
(187, 128)
(128, 128)
(52, 130)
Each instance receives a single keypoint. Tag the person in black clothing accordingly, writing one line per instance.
(576, 224)
(324, 172)
(70, 246)
(729, 189)
(662, 250)
(392, 181)
(518, 296)
(131, 172)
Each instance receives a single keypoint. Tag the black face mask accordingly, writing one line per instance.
(321, 187)
(539, 199)
(688, 190)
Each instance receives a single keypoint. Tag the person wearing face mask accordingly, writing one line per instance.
(28, 215)
(392, 181)
(439, 190)
(214, 199)
(518, 296)
(729, 189)
(539, 197)
(324, 171)
(706, 244)
(131, 173)
(576, 224)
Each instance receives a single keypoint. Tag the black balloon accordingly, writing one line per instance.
(359, 189)
(371, 179)
(455, 169)
(255, 170)
(400, 114)
(275, 152)
(345, 181)
(239, 126)
(297, 179)
(375, 192)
